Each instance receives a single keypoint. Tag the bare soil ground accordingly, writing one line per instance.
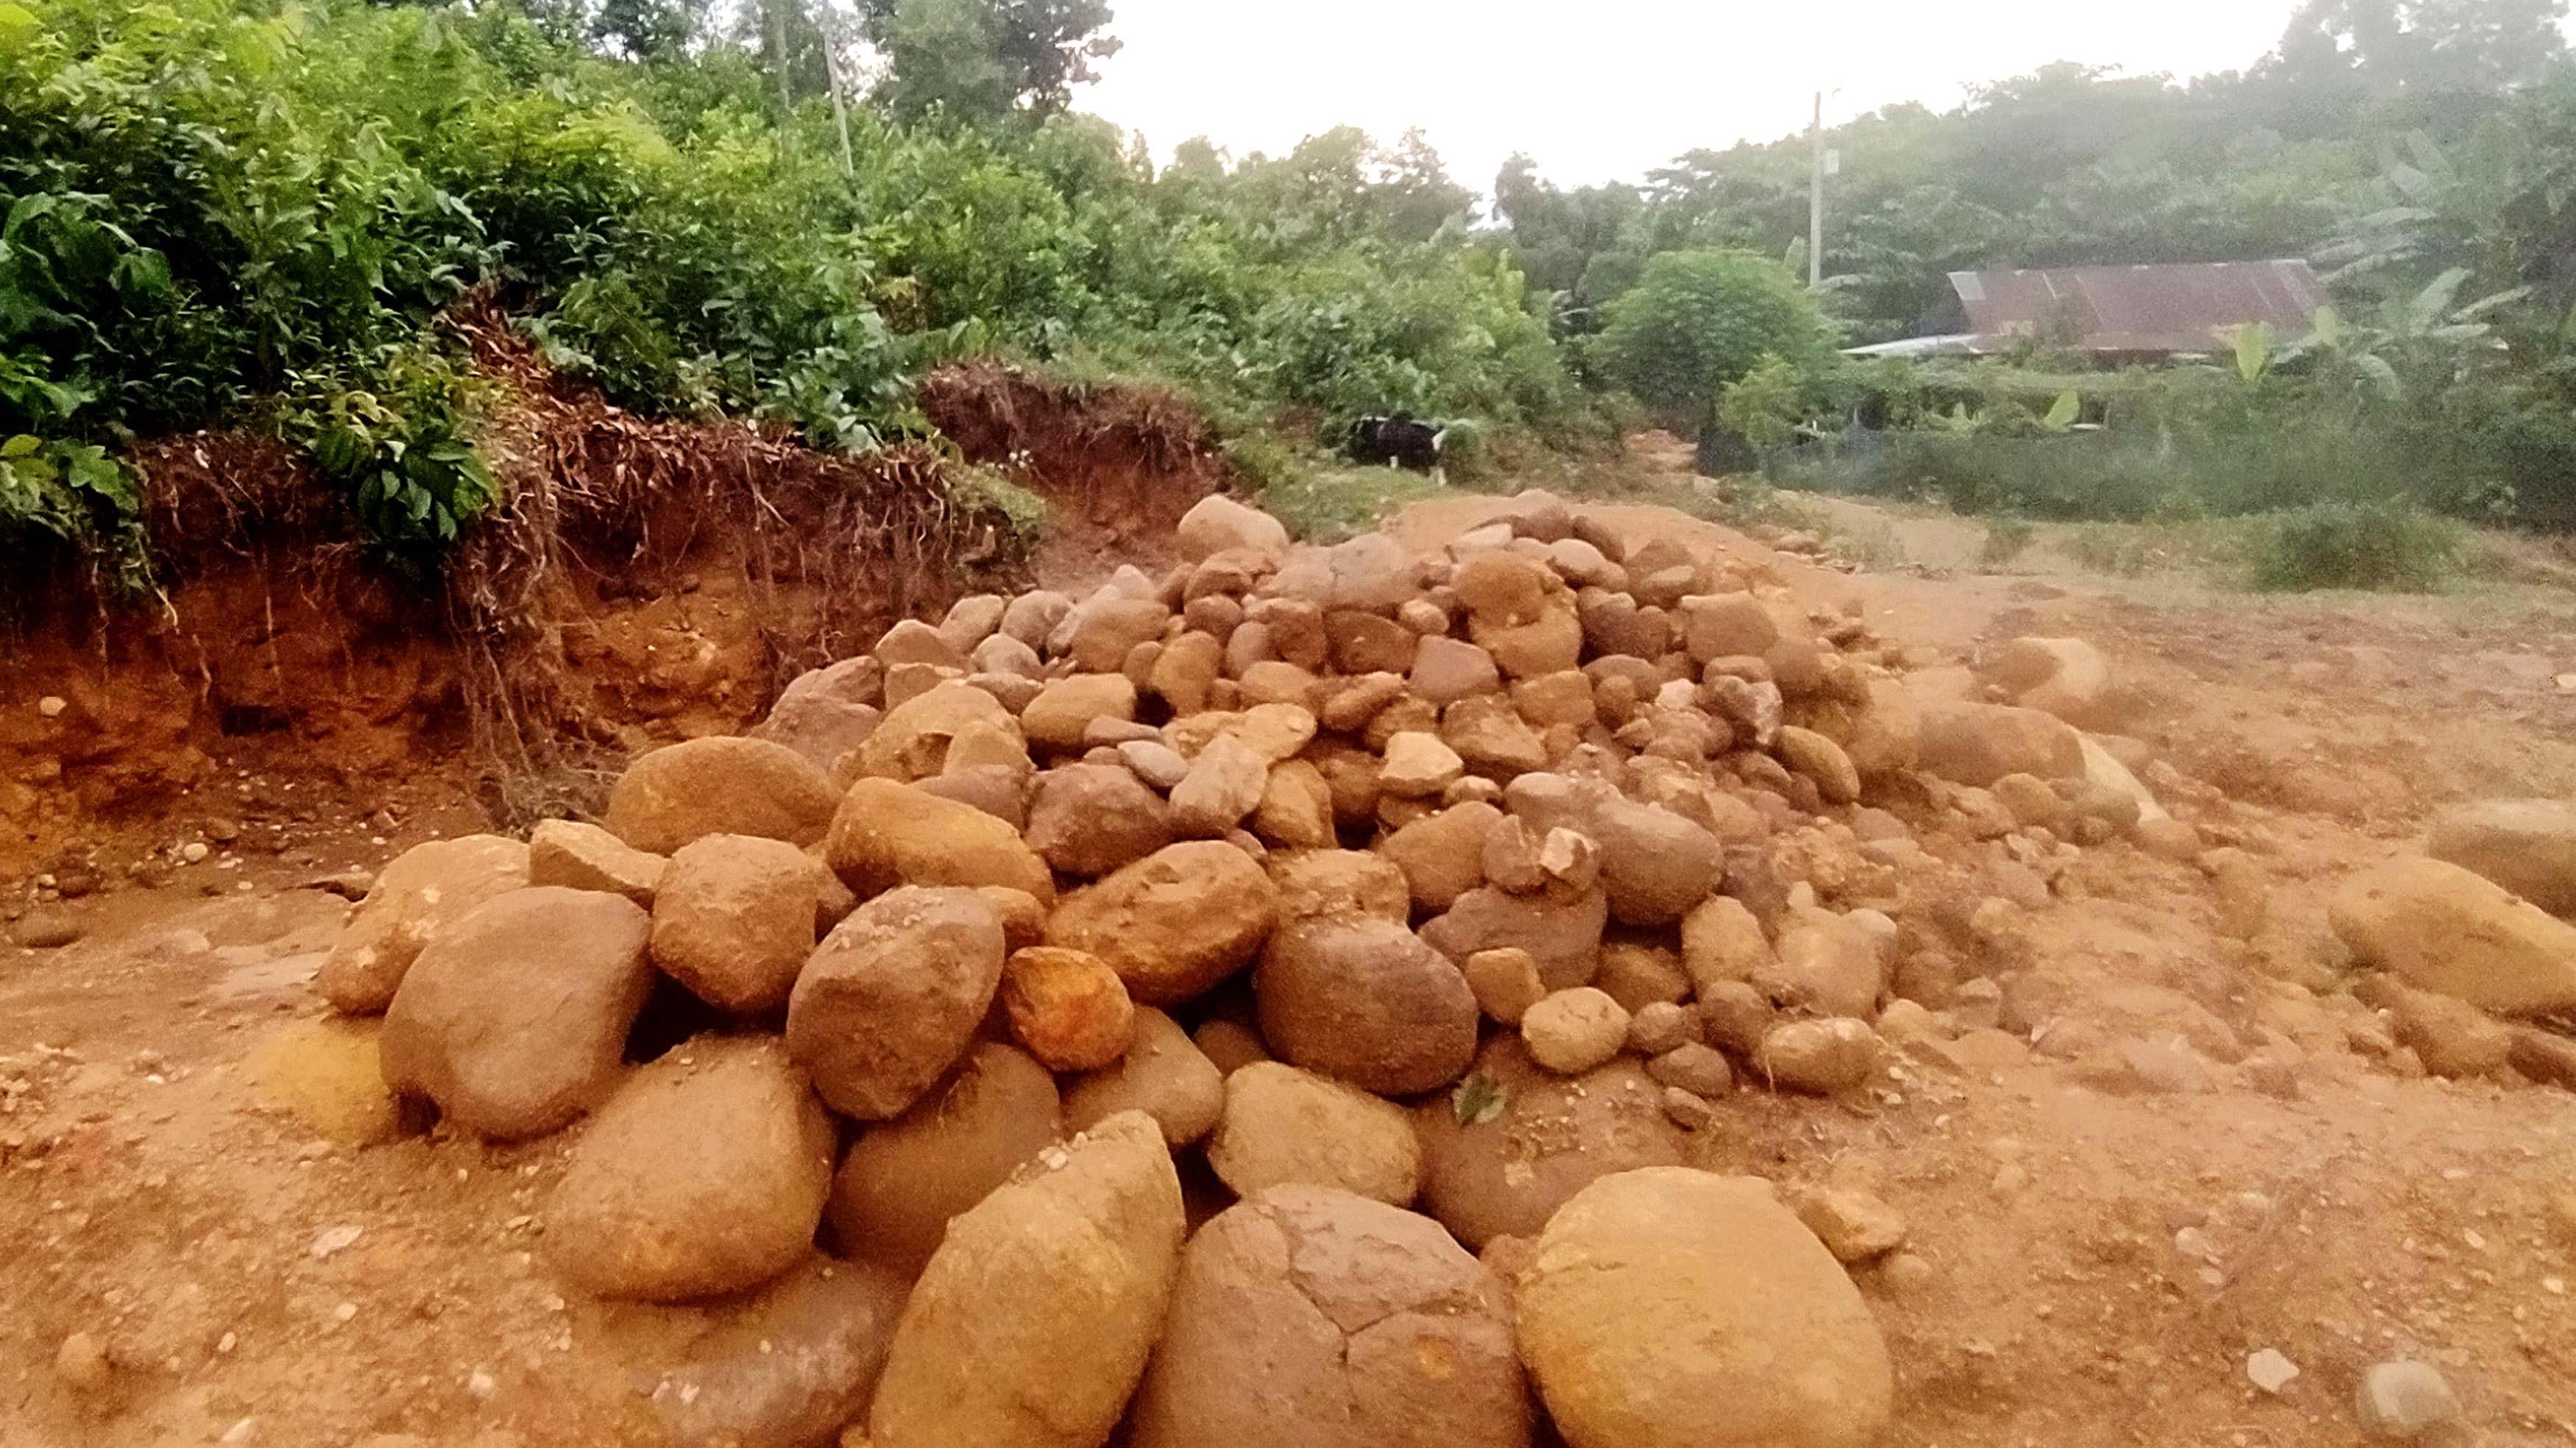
(2103, 1227)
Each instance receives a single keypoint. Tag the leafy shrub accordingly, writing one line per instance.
(1765, 405)
(1698, 320)
(406, 454)
(2007, 538)
(2356, 545)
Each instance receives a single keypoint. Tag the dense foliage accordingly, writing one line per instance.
(1697, 321)
(2421, 152)
(220, 212)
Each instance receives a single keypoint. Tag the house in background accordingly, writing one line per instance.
(2119, 314)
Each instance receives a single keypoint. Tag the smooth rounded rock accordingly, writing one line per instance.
(514, 1020)
(1672, 1308)
(890, 998)
(720, 786)
(424, 890)
(704, 1174)
(1162, 1073)
(1365, 1001)
(1310, 1318)
(1174, 924)
(1034, 1320)
(902, 1180)
(1282, 1126)
(733, 920)
(887, 834)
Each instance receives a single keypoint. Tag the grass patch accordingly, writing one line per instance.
(977, 489)
(2006, 540)
(1329, 504)
(2384, 546)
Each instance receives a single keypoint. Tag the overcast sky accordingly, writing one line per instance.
(1600, 90)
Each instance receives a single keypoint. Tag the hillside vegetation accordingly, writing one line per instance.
(229, 213)
(254, 214)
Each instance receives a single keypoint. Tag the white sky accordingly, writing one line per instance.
(1600, 90)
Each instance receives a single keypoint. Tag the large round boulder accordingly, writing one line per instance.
(1162, 1073)
(514, 1020)
(1034, 1319)
(1505, 1150)
(903, 1179)
(733, 920)
(1672, 1308)
(704, 1174)
(2528, 846)
(720, 786)
(1364, 1000)
(1980, 743)
(1218, 524)
(418, 895)
(1655, 864)
(1563, 937)
(1311, 1318)
(1175, 923)
(794, 1365)
(1284, 1126)
(911, 741)
(887, 834)
(891, 997)
(2459, 934)
(1090, 819)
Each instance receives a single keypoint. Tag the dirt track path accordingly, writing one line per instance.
(2190, 1165)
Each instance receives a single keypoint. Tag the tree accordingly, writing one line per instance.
(2403, 47)
(985, 59)
(1699, 320)
(648, 29)
(1411, 191)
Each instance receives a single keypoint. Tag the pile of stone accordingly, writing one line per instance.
(1404, 907)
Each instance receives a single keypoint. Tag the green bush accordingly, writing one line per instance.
(2356, 545)
(1698, 320)
(2007, 538)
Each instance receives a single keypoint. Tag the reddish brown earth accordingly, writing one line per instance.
(2094, 1249)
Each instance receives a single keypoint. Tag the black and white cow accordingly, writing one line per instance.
(1398, 442)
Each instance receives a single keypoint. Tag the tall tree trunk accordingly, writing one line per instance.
(778, 68)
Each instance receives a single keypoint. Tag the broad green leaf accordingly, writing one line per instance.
(2434, 300)
(1479, 1099)
(2063, 412)
(2253, 351)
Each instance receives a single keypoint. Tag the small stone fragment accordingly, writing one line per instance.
(1572, 1031)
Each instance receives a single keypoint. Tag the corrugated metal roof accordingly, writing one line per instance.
(2189, 307)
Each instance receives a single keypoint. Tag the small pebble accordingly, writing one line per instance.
(2270, 1370)
(82, 1363)
(2404, 1400)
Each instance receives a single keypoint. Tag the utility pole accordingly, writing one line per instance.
(1816, 197)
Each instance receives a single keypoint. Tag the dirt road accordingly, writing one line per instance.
(2171, 1157)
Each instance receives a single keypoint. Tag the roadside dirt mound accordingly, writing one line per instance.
(1127, 461)
(644, 580)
